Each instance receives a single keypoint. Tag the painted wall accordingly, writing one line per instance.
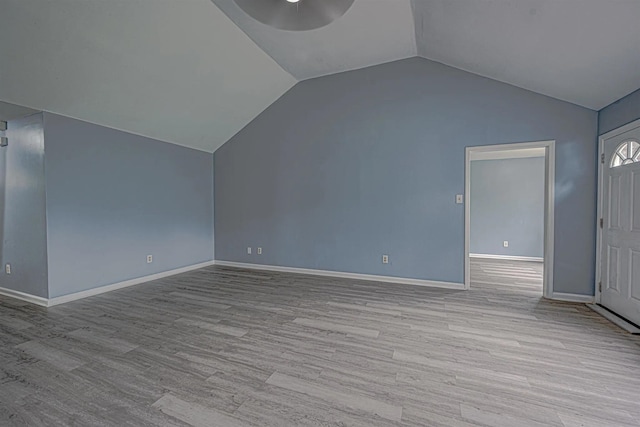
(24, 232)
(347, 167)
(507, 203)
(113, 198)
(619, 113)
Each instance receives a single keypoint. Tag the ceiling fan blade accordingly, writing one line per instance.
(301, 16)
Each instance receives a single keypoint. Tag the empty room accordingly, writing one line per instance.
(320, 213)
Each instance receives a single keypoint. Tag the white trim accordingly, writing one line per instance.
(549, 204)
(522, 153)
(344, 275)
(100, 290)
(561, 296)
(622, 129)
(125, 284)
(24, 297)
(508, 257)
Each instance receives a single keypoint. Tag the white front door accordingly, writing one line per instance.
(620, 256)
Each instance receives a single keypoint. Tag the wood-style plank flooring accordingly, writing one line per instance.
(230, 347)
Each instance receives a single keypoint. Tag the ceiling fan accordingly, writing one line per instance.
(295, 15)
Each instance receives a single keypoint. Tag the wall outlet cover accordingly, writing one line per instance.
(259, 251)
(505, 243)
(385, 259)
(249, 250)
(7, 268)
(149, 259)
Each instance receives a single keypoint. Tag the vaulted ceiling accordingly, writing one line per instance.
(195, 72)
(371, 32)
(583, 51)
(178, 71)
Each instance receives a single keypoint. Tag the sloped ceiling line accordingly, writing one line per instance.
(586, 52)
(371, 32)
(195, 73)
(180, 72)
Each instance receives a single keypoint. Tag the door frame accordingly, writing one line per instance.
(549, 205)
(601, 162)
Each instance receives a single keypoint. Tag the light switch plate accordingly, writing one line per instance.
(3, 126)
(459, 199)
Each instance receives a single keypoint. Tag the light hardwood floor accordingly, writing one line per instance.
(230, 347)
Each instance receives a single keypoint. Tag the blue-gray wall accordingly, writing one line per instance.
(347, 167)
(24, 233)
(113, 198)
(507, 203)
(620, 113)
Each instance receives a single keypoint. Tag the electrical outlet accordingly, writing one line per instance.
(259, 251)
(505, 243)
(385, 259)
(7, 268)
(149, 259)
(249, 250)
(459, 199)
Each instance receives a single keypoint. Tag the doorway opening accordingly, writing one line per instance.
(509, 201)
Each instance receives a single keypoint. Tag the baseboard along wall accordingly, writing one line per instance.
(561, 296)
(50, 302)
(507, 257)
(344, 275)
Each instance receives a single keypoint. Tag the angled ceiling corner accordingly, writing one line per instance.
(371, 32)
(582, 51)
(180, 72)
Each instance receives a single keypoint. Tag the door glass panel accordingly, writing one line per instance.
(627, 152)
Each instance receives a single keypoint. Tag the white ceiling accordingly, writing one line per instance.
(371, 32)
(195, 72)
(178, 71)
(582, 51)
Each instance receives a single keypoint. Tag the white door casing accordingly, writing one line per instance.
(549, 206)
(619, 203)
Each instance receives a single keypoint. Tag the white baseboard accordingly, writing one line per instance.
(507, 257)
(100, 290)
(50, 302)
(560, 296)
(108, 288)
(24, 297)
(344, 275)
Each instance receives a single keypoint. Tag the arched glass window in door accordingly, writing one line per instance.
(626, 153)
